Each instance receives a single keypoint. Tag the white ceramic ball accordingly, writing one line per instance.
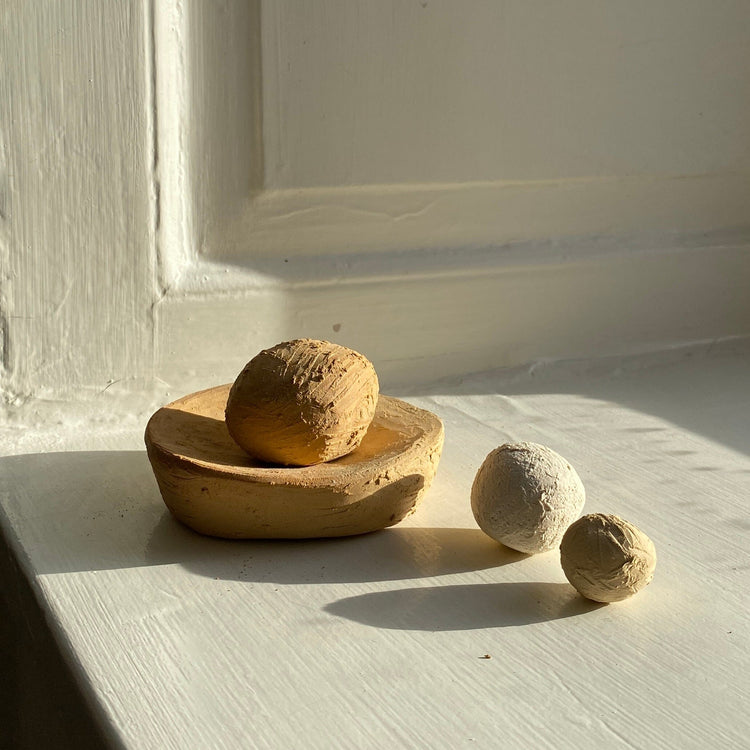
(525, 496)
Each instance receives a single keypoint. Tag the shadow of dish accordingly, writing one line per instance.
(101, 510)
(81, 510)
(396, 553)
(464, 606)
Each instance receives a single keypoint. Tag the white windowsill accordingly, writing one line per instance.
(377, 641)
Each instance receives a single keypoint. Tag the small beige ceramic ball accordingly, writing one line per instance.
(302, 402)
(525, 495)
(607, 559)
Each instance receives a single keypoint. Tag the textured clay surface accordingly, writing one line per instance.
(302, 402)
(606, 558)
(525, 496)
(210, 484)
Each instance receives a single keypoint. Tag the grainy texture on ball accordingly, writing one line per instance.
(606, 558)
(302, 402)
(525, 495)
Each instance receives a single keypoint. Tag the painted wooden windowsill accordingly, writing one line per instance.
(383, 640)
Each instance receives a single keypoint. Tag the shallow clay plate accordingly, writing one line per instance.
(210, 484)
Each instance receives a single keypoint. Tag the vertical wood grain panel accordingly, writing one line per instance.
(225, 151)
(78, 271)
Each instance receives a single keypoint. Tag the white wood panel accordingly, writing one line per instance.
(358, 92)
(144, 224)
(404, 126)
(425, 267)
(398, 218)
(76, 233)
(447, 314)
(377, 641)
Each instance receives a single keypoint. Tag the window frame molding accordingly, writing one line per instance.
(301, 262)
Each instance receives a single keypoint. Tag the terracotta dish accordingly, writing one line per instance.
(210, 484)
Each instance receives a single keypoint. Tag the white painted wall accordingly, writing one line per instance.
(446, 185)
